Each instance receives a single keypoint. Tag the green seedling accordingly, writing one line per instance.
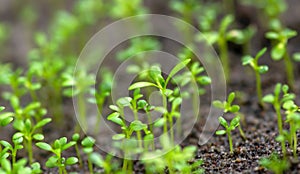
(57, 148)
(235, 122)
(220, 38)
(242, 37)
(76, 138)
(161, 83)
(79, 85)
(280, 51)
(30, 133)
(100, 96)
(275, 164)
(228, 107)
(107, 164)
(88, 144)
(293, 118)
(8, 149)
(277, 101)
(258, 69)
(19, 167)
(175, 160)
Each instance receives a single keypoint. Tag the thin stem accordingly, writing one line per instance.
(289, 69)
(90, 165)
(171, 128)
(258, 87)
(230, 141)
(29, 150)
(165, 115)
(138, 133)
(78, 155)
(100, 108)
(242, 132)
(279, 122)
(294, 137)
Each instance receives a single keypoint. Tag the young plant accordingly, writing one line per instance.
(88, 144)
(30, 133)
(161, 84)
(228, 107)
(19, 167)
(57, 148)
(277, 101)
(76, 138)
(235, 122)
(258, 69)
(275, 164)
(280, 51)
(293, 118)
(17, 140)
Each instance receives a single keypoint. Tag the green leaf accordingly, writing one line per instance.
(137, 125)
(278, 51)
(218, 104)
(114, 108)
(88, 142)
(247, 60)
(260, 53)
(272, 35)
(141, 85)
(204, 80)
(227, 20)
(6, 121)
(234, 108)
(71, 161)
(220, 132)
(114, 117)
(5, 164)
(124, 101)
(177, 68)
(263, 69)
(75, 137)
(68, 145)
(118, 136)
(38, 137)
(268, 98)
(231, 97)
(42, 123)
(44, 146)
(223, 122)
(52, 162)
(96, 159)
(160, 122)
(296, 57)
(176, 103)
(2, 108)
(235, 122)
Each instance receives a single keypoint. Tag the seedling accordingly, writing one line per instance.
(228, 128)
(161, 84)
(17, 140)
(275, 164)
(228, 107)
(293, 118)
(76, 138)
(258, 69)
(57, 148)
(19, 167)
(219, 37)
(29, 132)
(277, 101)
(280, 51)
(88, 144)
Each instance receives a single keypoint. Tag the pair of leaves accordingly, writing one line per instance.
(235, 122)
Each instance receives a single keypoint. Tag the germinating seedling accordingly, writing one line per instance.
(280, 51)
(228, 128)
(258, 69)
(228, 107)
(5, 117)
(57, 148)
(88, 145)
(293, 118)
(275, 164)
(161, 84)
(30, 133)
(17, 140)
(277, 101)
